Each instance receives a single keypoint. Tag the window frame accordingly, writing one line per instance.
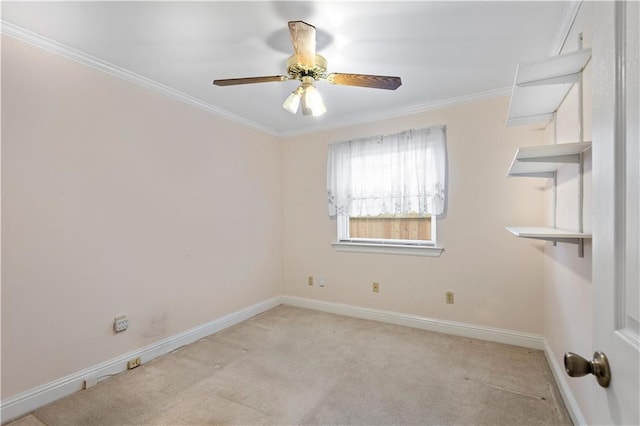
(385, 246)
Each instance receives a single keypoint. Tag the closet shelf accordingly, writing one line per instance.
(548, 234)
(540, 87)
(544, 160)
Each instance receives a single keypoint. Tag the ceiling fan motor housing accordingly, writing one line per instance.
(297, 71)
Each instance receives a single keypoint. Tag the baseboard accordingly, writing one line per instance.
(561, 380)
(509, 337)
(30, 400)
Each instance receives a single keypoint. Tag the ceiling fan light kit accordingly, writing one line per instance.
(307, 66)
(312, 103)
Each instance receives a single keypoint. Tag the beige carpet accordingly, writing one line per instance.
(295, 366)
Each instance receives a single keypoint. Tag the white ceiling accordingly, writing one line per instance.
(445, 52)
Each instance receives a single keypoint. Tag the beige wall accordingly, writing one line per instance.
(112, 200)
(496, 277)
(567, 277)
(117, 200)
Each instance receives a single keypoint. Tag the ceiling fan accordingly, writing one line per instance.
(307, 66)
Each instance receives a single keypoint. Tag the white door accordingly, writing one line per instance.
(616, 220)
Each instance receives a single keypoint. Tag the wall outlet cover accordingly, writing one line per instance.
(120, 323)
(133, 363)
(449, 297)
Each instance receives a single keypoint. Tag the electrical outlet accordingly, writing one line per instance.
(449, 297)
(310, 280)
(133, 363)
(120, 323)
(323, 281)
(376, 287)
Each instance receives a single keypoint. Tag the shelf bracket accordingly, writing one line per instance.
(558, 239)
(565, 159)
(581, 247)
(578, 241)
(528, 119)
(562, 79)
(555, 202)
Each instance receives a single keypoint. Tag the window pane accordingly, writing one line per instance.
(394, 228)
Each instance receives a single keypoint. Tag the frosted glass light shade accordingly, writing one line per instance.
(312, 103)
(292, 103)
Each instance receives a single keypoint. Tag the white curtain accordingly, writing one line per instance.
(394, 174)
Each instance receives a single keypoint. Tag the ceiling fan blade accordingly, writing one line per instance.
(303, 37)
(364, 80)
(249, 80)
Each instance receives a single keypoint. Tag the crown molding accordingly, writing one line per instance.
(402, 112)
(569, 14)
(53, 46)
(68, 52)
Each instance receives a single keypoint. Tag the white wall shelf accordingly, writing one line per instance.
(538, 91)
(551, 234)
(540, 87)
(544, 160)
(547, 234)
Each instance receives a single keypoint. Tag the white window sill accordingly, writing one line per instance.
(407, 250)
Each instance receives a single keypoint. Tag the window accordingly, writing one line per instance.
(412, 229)
(386, 191)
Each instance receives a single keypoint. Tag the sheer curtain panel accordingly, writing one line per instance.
(399, 174)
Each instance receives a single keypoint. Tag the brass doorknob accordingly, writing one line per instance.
(576, 366)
